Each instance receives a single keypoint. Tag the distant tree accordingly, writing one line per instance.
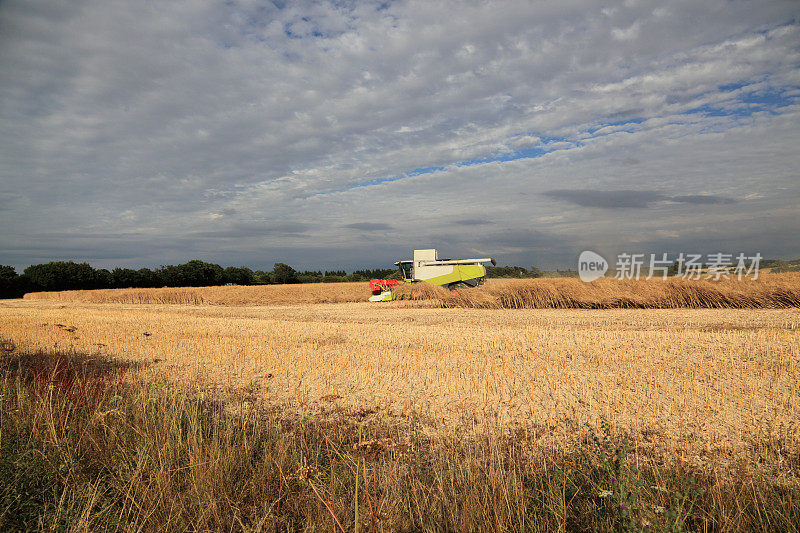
(7, 273)
(62, 276)
(310, 276)
(199, 273)
(283, 273)
(171, 275)
(334, 276)
(149, 278)
(261, 277)
(103, 279)
(395, 275)
(10, 283)
(513, 272)
(194, 273)
(238, 275)
(122, 278)
(368, 274)
(506, 272)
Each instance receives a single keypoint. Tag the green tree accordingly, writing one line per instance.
(149, 278)
(261, 277)
(10, 283)
(122, 278)
(103, 279)
(310, 276)
(62, 276)
(7, 273)
(507, 272)
(238, 275)
(283, 273)
(194, 273)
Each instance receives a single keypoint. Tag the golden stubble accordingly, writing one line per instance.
(696, 383)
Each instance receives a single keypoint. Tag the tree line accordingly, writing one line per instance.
(513, 272)
(68, 275)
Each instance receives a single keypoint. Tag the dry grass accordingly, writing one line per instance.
(770, 291)
(89, 446)
(703, 385)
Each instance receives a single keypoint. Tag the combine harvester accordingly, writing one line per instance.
(427, 267)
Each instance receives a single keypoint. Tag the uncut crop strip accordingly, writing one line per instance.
(696, 383)
(774, 291)
(771, 291)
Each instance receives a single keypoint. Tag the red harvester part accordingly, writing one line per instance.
(378, 285)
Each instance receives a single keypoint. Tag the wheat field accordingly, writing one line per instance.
(696, 384)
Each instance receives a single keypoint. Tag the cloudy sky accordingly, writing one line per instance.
(140, 133)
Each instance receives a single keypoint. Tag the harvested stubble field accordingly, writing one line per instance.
(693, 383)
(489, 411)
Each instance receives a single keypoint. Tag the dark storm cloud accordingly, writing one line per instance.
(607, 199)
(369, 226)
(630, 199)
(473, 222)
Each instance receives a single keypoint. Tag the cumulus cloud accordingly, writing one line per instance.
(256, 132)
